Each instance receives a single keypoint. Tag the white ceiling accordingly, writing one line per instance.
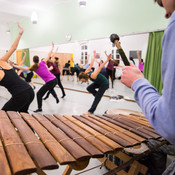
(12, 11)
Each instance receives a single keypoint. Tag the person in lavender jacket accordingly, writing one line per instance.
(159, 110)
(50, 79)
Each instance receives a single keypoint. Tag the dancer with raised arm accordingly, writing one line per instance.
(110, 69)
(100, 82)
(22, 93)
(50, 79)
(141, 64)
(55, 70)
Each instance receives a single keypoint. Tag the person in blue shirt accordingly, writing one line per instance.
(158, 109)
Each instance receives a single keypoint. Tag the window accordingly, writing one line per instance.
(114, 52)
(133, 53)
(84, 54)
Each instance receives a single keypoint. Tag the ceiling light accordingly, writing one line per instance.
(82, 3)
(34, 17)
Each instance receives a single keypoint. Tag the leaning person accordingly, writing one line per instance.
(22, 93)
(100, 82)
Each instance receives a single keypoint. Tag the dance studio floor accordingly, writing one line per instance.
(76, 102)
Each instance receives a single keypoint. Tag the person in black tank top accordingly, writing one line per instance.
(99, 81)
(22, 93)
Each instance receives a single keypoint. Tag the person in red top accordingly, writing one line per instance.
(110, 69)
(55, 70)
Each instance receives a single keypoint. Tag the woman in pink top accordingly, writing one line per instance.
(141, 64)
(50, 79)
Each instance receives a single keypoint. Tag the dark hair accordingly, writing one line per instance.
(83, 75)
(35, 65)
(56, 58)
(69, 61)
(50, 60)
(131, 58)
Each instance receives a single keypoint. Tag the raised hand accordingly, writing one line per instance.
(21, 29)
(52, 44)
(56, 49)
(138, 51)
(109, 57)
(94, 53)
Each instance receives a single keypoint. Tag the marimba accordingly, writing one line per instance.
(32, 143)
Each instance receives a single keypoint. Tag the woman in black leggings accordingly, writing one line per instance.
(22, 93)
(50, 80)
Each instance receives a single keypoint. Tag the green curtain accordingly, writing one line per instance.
(27, 60)
(152, 67)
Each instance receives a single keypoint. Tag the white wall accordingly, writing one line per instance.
(5, 38)
(130, 42)
(135, 42)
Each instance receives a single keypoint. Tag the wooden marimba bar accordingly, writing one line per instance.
(32, 143)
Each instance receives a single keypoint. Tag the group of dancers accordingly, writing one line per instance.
(23, 94)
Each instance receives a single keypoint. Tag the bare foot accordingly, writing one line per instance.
(87, 113)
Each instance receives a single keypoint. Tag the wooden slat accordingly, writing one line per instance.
(105, 130)
(4, 166)
(133, 138)
(92, 150)
(137, 124)
(17, 155)
(98, 135)
(63, 139)
(57, 150)
(133, 126)
(139, 119)
(35, 147)
(89, 137)
(126, 127)
(142, 122)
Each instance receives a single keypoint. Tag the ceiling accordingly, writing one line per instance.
(12, 11)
